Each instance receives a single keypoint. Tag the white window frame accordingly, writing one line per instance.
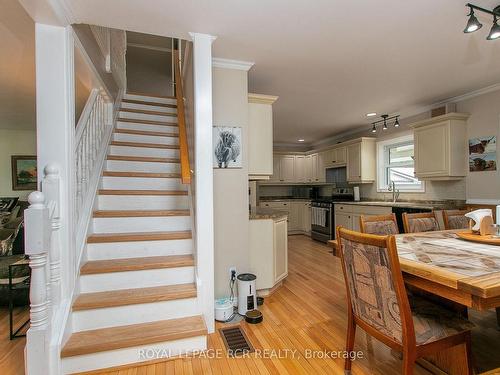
(382, 185)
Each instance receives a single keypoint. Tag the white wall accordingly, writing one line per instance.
(149, 71)
(484, 121)
(230, 108)
(14, 142)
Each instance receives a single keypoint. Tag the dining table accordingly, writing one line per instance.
(447, 266)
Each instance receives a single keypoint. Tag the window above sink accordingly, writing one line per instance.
(395, 163)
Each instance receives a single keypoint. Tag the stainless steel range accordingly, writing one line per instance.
(323, 214)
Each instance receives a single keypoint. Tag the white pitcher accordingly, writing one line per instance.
(478, 215)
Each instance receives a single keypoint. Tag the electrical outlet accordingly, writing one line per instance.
(232, 273)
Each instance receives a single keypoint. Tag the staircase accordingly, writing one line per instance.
(137, 287)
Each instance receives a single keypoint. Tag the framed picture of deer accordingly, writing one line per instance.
(227, 147)
(483, 154)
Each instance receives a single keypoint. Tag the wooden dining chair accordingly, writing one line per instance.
(455, 219)
(378, 303)
(420, 222)
(379, 224)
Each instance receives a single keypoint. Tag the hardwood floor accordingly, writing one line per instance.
(307, 312)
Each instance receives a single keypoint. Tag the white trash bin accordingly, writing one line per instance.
(247, 295)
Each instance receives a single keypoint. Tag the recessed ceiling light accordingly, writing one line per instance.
(301, 140)
(371, 114)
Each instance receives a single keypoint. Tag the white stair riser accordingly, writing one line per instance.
(125, 356)
(144, 151)
(141, 224)
(141, 166)
(133, 314)
(143, 202)
(152, 99)
(147, 127)
(137, 279)
(122, 250)
(148, 107)
(145, 116)
(142, 183)
(124, 137)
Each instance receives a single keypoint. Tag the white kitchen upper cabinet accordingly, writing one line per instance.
(354, 165)
(308, 168)
(260, 136)
(440, 147)
(340, 155)
(276, 169)
(287, 168)
(361, 165)
(314, 166)
(300, 168)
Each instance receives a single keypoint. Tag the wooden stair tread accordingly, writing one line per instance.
(139, 213)
(138, 236)
(87, 301)
(104, 339)
(136, 264)
(144, 102)
(148, 122)
(144, 145)
(141, 192)
(150, 95)
(149, 159)
(146, 132)
(141, 174)
(147, 112)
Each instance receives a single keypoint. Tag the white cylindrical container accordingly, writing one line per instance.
(247, 296)
(224, 309)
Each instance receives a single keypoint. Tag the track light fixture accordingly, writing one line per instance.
(473, 23)
(385, 121)
(495, 30)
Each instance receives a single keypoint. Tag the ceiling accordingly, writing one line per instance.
(329, 61)
(17, 67)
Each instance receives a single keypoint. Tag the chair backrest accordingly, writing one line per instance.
(375, 288)
(382, 225)
(455, 219)
(420, 222)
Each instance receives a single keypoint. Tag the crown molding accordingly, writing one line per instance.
(469, 95)
(261, 98)
(218, 62)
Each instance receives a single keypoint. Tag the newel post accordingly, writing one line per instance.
(51, 190)
(37, 237)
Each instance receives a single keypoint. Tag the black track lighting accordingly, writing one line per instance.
(473, 24)
(495, 30)
(385, 119)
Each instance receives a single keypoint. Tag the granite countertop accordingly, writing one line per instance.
(259, 213)
(430, 205)
(283, 198)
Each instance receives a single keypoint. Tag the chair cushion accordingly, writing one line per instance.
(433, 322)
(458, 222)
(423, 224)
(382, 228)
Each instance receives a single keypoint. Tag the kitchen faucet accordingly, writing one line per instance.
(395, 193)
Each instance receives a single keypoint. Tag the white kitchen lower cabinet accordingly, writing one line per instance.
(349, 215)
(268, 252)
(299, 214)
(280, 250)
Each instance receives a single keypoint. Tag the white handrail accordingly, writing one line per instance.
(92, 137)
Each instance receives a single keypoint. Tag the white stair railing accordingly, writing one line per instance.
(91, 140)
(43, 246)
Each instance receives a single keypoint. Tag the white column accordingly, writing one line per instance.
(55, 128)
(37, 237)
(202, 70)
